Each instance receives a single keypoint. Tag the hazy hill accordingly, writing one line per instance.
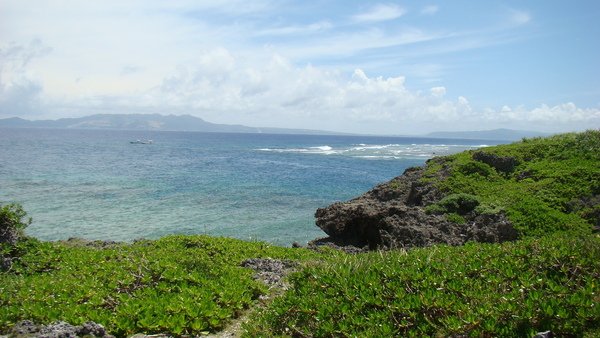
(160, 122)
(147, 122)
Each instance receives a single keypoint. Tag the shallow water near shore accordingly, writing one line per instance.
(96, 184)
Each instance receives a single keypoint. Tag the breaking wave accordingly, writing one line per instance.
(380, 151)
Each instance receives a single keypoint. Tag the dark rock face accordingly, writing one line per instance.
(5, 263)
(589, 208)
(29, 329)
(502, 164)
(392, 215)
(8, 235)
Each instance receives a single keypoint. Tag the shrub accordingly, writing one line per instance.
(472, 168)
(488, 209)
(544, 185)
(456, 218)
(502, 164)
(460, 204)
(13, 220)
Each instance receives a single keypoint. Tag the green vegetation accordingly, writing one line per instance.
(178, 284)
(548, 281)
(482, 290)
(13, 220)
(543, 184)
(454, 203)
(189, 285)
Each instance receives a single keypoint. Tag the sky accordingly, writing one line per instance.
(393, 67)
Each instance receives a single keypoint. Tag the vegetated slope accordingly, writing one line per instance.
(548, 189)
(514, 289)
(176, 285)
(493, 194)
(543, 184)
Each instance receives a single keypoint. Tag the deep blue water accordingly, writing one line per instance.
(97, 185)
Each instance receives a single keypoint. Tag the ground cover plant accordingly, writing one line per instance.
(542, 184)
(513, 289)
(177, 285)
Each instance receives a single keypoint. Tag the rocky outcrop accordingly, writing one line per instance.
(501, 164)
(28, 329)
(393, 215)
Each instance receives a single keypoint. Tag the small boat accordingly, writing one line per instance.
(141, 142)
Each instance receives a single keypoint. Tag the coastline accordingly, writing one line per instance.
(543, 280)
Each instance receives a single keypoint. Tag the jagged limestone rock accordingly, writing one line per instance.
(392, 215)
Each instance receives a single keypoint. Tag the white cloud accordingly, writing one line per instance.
(346, 44)
(129, 69)
(438, 91)
(296, 29)
(430, 10)
(561, 113)
(20, 91)
(276, 91)
(223, 86)
(518, 17)
(380, 12)
(231, 62)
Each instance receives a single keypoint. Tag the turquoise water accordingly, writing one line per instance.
(97, 185)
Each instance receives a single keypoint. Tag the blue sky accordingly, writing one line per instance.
(394, 67)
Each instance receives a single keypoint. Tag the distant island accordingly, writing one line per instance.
(155, 122)
(158, 122)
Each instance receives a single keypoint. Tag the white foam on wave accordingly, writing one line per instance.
(324, 148)
(283, 150)
(378, 157)
(363, 146)
(379, 151)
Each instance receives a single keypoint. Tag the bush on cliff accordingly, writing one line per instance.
(542, 184)
(454, 203)
(13, 220)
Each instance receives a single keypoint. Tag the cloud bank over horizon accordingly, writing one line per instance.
(382, 69)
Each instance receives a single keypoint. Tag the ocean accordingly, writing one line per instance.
(96, 184)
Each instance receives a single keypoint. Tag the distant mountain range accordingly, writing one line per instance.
(148, 122)
(495, 134)
(190, 123)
